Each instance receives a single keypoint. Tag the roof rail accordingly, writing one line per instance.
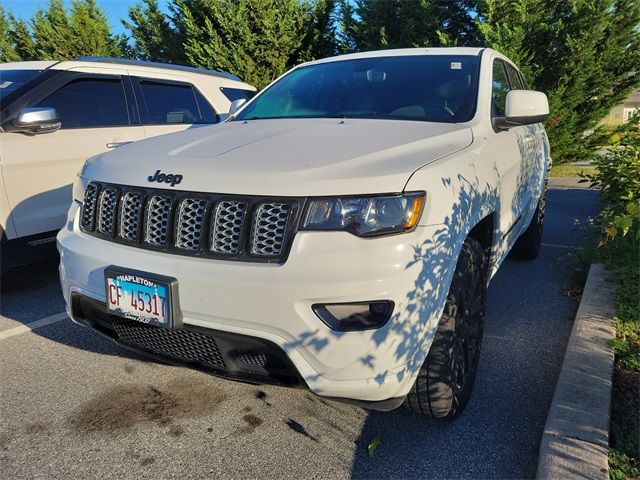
(169, 66)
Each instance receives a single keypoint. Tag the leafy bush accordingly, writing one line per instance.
(618, 176)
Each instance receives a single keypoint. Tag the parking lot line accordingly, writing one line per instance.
(557, 245)
(12, 332)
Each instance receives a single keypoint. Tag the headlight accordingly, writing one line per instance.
(365, 216)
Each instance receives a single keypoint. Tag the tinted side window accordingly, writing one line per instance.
(207, 113)
(234, 94)
(170, 103)
(514, 77)
(500, 88)
(90, 102)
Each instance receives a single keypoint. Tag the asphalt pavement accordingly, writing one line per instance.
(75, 405)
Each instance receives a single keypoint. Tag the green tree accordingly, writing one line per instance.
(158, 36)
(255, 39)
(15, 39)
(585, 54)
(374, 24)
(84, 30)
(7, 48)
(320, 34)
(22, 41)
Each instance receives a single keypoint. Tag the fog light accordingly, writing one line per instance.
(354, 316)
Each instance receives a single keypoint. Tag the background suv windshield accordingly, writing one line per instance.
(425, 88)
(11, 80)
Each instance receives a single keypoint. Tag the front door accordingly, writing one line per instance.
(39, 170)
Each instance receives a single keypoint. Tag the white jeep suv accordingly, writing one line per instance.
(337, 233)
(54, 115)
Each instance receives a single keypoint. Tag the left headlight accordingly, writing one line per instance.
(365, 216)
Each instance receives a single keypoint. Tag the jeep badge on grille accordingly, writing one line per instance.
(171, 178)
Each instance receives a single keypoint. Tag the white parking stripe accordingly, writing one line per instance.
(557, 245)
(12, 332)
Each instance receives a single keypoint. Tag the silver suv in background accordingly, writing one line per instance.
(55, 115)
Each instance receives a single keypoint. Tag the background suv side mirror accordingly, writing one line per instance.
(236, 105)
(523, 107)
(35, 120)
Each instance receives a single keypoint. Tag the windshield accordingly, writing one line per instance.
(11, 80)
(435, 88)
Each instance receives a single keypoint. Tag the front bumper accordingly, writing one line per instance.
(273, 302)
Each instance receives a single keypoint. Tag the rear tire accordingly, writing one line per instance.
(445, 381)
(527, 247)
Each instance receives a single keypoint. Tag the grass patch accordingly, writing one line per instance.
(565, 170)
(622, 254)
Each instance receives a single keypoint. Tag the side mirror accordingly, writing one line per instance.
(37, 120)
(523, 107)
(236, 105)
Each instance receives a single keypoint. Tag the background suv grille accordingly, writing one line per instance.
(242, 228)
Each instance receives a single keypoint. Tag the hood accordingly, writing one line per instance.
(292, 157)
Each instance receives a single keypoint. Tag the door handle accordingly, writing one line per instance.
(117, 144)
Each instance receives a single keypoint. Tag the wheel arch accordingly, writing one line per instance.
(484, 232)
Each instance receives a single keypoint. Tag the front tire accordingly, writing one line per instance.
(445, 381)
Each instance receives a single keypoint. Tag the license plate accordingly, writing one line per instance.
(140, 296)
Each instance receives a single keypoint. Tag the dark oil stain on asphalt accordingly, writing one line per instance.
(260, 395)
(124, 406)
(129, 368)
(252, 422)
(5, 439)
(35, 428)
(298, 428)
(176, 431)
(147, 461)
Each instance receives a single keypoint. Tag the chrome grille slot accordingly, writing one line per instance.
(269, 229)
(226, 230)
(157, 220)
(88, 216)
(130, 215)
(107, 207)
(210, 225)
(190, 223)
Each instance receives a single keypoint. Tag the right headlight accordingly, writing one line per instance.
(365, 216)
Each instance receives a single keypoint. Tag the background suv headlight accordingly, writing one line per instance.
(365, 216)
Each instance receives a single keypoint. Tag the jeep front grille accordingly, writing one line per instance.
(88, 213)
(130, 215)
(157, 220)
(210, 225)
(107, 210)
(269, 228)
(226, 232)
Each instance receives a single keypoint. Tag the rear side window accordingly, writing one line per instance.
(499, 89)
(90, 102)
(234, 94)
(175, 103)
(514, 77)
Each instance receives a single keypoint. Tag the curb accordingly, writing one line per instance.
(566, 183)
(575, 441)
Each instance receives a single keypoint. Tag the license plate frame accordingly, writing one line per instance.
(119, 276)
